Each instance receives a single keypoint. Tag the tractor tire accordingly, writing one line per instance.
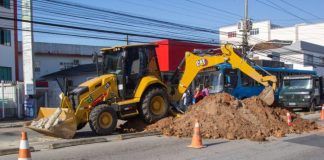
(155, 105)
(81, 125)
(103, 119)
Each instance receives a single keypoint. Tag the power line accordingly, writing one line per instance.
(300, 9)
(214, 8)
(279, 8)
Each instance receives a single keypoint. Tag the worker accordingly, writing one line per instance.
(198, 95)
(205, 91)
(186, 100)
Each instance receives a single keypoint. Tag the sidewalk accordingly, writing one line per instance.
(12, 123)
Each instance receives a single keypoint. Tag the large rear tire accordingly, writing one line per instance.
(155, 105)
(103, 119)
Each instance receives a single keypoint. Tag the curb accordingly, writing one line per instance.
(13, 151)
(77, 142)
(136, 135)
(11, 126)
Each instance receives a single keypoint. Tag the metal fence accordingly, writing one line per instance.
(11, 99)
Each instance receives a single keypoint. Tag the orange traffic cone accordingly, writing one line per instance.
(322, 113)
(289, 119)
(196, 137)
(24, 153)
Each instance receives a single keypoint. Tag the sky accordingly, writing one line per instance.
(210, 14)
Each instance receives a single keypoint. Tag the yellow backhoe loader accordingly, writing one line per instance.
(130, 85)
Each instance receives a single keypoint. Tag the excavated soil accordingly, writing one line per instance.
(222, 116)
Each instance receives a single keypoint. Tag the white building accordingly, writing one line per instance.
(303, 44)
(266, 31)
(53, 57)
(8, 41)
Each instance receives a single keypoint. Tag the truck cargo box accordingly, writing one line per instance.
(171, 52)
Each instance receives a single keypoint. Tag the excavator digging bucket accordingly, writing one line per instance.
(55, 122)
(267, 95)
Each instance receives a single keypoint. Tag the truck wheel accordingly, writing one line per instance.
(155, 105)
(103, 119)
(81, 125)
(312, 107)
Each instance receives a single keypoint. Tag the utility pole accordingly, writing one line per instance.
(127, 41)
(28, 57)
(245, 26)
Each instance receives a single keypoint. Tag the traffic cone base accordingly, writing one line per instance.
(196, 141)
(24, 153)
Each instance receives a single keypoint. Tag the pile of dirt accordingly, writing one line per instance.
(222, 116)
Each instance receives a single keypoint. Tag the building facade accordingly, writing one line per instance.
(8, 40)
(300, 46)
(53, 57)
(266, 31)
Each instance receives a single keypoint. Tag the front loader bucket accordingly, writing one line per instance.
(56, 122)
(267, 95)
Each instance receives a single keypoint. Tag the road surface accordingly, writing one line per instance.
(294, 147)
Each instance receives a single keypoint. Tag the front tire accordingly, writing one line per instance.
(155, 105)
(103, 119)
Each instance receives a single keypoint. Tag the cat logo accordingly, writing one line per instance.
(201, 62)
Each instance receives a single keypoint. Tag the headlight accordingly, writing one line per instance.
(307, 96)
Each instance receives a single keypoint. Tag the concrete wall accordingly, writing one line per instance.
(288, 33)
(312, 33)
(7, 53)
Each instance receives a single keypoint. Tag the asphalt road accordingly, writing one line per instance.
(294, 147)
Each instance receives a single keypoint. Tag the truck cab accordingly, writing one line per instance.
(301, 91)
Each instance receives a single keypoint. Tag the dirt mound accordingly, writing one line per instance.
(222, 116)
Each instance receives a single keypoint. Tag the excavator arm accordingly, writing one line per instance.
(195, 63)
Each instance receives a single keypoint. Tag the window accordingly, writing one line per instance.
(231, 34)
(5, 73)
(322, 60)
(132, 62)
(5, 3)
(230, 78)
(65, 65)
(37, 66)
(246, 80)
(254, 31)
(5, 37)
(309, 59)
